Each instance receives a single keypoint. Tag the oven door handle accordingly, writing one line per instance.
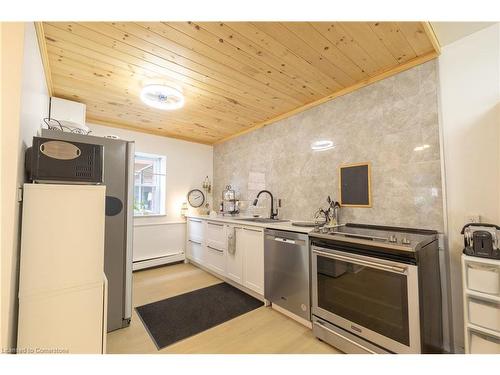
(362, 262)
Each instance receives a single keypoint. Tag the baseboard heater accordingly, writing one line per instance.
(158, 261)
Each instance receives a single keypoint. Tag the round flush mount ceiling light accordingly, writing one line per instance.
(162, 97)
(322, 145)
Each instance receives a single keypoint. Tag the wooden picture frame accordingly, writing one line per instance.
(355, 185)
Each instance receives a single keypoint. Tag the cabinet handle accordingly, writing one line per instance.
(198, 243)
(216, 224)
(194, 221)
(213, 248)
(253, 230)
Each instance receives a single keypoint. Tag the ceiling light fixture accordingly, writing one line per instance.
(322, 145)
(162, 97)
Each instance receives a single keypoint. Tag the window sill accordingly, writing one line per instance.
(149, 215)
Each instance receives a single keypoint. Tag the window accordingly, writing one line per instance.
(149, 184)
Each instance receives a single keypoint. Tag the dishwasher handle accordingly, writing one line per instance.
(284, 240)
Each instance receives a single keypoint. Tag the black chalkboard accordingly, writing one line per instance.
(355, 185)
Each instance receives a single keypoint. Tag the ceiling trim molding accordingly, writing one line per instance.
(40, 35)
(431, 34)
(112, 124)
(385, 74)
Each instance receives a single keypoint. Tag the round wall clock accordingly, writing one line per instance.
(196, 198)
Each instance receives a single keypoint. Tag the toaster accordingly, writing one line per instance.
(481, 240)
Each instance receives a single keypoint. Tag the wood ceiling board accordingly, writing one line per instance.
(97, 108)
(241, 46)
(115, 49)
(162, 41)
(416, 36)
(288, 39)
(144, 75)
(337, 36)
(267, 45)
(114, 89)
(392, 37)
(217, 36)
(236, 76)
(370, 42)
(113, 103)
(325, 48)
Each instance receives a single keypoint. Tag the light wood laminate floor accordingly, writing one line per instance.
(260, 331)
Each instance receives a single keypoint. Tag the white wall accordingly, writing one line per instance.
(35, 96)
(187, 165)
(469, 72)
(32, 95)
(11, 76)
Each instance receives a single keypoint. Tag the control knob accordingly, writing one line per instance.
(392, 238)
(405, 241)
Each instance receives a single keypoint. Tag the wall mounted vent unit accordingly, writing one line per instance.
(68, 114)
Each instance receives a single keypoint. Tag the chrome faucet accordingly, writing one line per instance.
(273, 214)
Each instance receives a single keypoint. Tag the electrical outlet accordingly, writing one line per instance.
(19, 193)
(473, 218)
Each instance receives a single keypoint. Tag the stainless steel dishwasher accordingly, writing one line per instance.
(286, 271)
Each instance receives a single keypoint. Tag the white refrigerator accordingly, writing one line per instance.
(62, 287)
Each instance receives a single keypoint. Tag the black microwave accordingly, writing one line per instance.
(55, 161)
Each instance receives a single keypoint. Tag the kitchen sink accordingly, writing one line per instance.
(261, 219)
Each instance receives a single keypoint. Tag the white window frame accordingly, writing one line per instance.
(162, 174)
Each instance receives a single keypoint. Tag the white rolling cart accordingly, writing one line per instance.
(481, 295)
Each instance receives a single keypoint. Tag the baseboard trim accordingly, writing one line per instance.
(229, 281)
(147, 263)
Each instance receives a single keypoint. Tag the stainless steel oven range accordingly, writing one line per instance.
(376, 289)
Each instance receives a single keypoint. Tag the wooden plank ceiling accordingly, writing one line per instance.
(236, 76)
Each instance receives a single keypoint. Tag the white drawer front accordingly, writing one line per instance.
(195, 251)
(216, 260)
(195, 230)
(482, 344)
(484, 314)
(483, 278)
(216, 235)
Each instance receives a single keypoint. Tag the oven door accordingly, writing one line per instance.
(373, 298)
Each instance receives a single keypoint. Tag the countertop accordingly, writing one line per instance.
(286, 225)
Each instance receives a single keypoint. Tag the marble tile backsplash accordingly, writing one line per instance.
(382, 123)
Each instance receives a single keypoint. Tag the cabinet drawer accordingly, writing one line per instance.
(483, 344)
(483, 278)
(484, 314)
(195, 230)
(216, 235)
(216, 260)
(195, 251)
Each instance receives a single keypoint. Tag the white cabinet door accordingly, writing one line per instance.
(254, 259)
(234, 257)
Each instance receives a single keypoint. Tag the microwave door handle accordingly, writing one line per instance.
(360, 262)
